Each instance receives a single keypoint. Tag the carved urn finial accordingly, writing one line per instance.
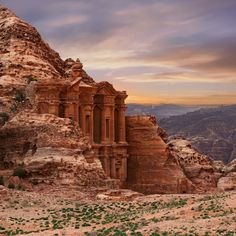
(77, 68)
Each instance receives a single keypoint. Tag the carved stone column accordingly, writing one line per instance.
(76, 111)
(104, 124)
(124, 168)
(122, 137)
(69, 110)
(82, 117)
(112, 124)
(113, 167)
(91, 125)
(108, 164)
(66, 109)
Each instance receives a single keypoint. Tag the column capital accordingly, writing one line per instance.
(53, 102)
(123, 106)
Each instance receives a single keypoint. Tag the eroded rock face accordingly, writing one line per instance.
(198, 168)
(51, 149)
(151, 166)
(23, 53)
(24, 56)
(228, 180)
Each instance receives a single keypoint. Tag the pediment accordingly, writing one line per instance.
(106, 89)
(77, 84)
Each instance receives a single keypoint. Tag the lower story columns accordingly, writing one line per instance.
(113, 167)
(122, 138)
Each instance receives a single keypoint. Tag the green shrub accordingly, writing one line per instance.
(30, 78)
(1, 180)
(4, 117)
(11, 185)
(13, 108)
(20, 96)
(20, 187)
(20, 172)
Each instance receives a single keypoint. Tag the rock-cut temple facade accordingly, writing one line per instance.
(97, 108)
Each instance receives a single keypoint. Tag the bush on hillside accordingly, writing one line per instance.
(1, 180)
(20, 96)
(20, 172)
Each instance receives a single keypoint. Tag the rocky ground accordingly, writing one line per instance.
(50, 213)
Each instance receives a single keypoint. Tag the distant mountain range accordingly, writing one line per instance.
(160, 111)
(212, 130)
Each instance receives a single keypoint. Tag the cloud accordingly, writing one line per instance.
(142, 42)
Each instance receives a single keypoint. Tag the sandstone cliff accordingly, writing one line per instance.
(159, 165)
(54, 151)
(198, 168)
(228, 180)
(23, 54)
(24, 57)
(51, 150)
(152, 167)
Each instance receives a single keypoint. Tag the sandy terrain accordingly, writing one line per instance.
(48, 213)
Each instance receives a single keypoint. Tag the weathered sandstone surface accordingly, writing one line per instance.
(54, 151)
(51, 150)
(197, 167)
(23, 56)
(157, 164)
(151, 166)
(228, 180)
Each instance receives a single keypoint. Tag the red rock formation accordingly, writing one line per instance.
(151, 167)
(52, 150)
(24, 56)
(198, 168)
(228, 179)
(23, 52)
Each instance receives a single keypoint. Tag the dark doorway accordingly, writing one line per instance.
(61, 111)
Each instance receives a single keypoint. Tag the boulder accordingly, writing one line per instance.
(227, 182)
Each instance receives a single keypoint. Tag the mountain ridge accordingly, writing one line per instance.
(212, 130)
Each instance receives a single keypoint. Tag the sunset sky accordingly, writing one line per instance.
(163, 51)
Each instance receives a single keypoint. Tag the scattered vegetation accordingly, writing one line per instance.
(20, 96)
(124, 218)
(11, 185)
(4, 117)
(20, 187)
(1, 180)
(20, 172)
(13, 108)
